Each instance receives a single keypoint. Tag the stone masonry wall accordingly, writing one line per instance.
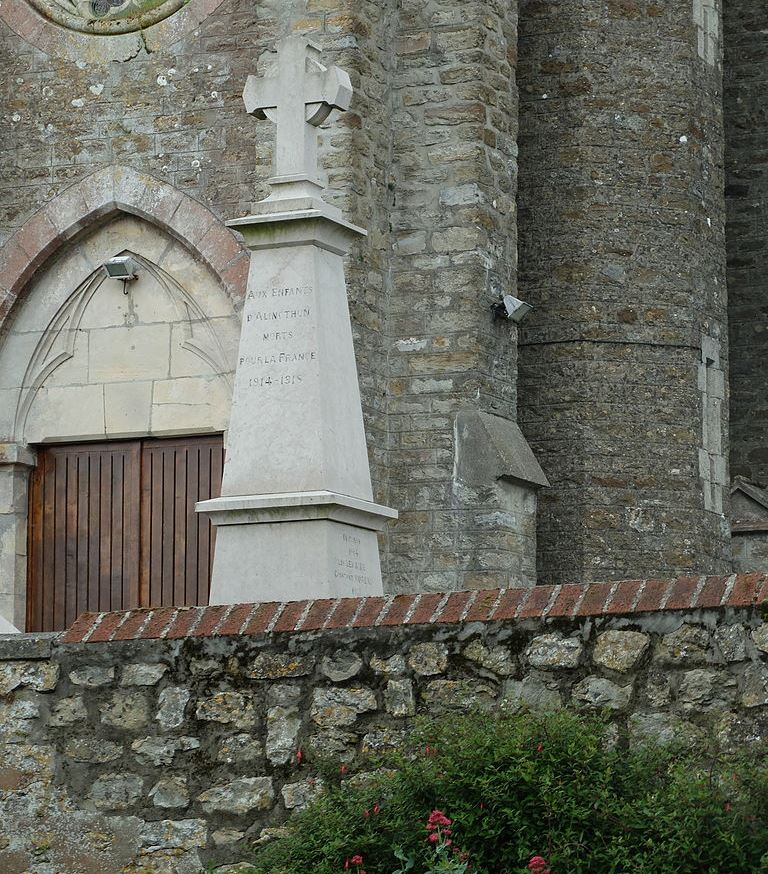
(425, 160)
(170, 740)
(746, 78)
(621, 223)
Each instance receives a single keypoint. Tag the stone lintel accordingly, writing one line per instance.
(17, 454)
(312, 223)
(297, 507)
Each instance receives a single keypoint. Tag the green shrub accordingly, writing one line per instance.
(553, 786)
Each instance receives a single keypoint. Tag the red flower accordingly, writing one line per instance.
(343, 770)
(436, 819)
(366, 814)
(299, 756)
(539, 748)
(728, 806)
(433, 838)
(357, 860)
(376, 808)
(539, 865)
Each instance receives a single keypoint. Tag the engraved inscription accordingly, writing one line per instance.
(350, 565)
(278, 357)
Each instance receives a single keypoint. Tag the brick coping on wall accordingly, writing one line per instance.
(566, 601)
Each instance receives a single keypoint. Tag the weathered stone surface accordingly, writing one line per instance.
(755, 690)
(283, 724)
(229, 708)
(239, 748)
(399, 698)
(126, 710)
(333, 742)
(170, 792)
(67, 711)
(339, 707)
(498, 659)
(93, 750)
(159, 751)
(239, 796)
(276, 666)
(458, 695)
(599, 692)
(298, 795)
(428, 659)
(702, 689)
(224, 836)
(342, 665)
(173, 703)
(686, 646)
(554, 651)
(170, 834)
(731, 640)
(142, 674)
(38, 675)
(620, 650)
(662, 728)
(393, 665)
(92, 676)
(531, 693)
(116, 791)
(760, 637)
(379, 739)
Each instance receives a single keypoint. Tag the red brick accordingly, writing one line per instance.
(682, 595)
(566, 601)
(653, 595)
(593, 603)
(185, 618)
(536, 604)
(745, 590)
(80, 627)
(212, 616)
(624, 597)
(398, 609)
(712, 593)
(481, 609)
(260, 620)
(453, 608)
(129, 630)
(157, 624)
(370, 612)
(509, 604)
(106, 628)
(290, 616)
(317, 615)
(425, 609)
(234, 622)
(344, 613)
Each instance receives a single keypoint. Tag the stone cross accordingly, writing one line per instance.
(298, 99)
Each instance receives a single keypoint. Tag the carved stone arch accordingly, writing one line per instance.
(107, 192)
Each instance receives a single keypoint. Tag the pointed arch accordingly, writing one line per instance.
(107, 192)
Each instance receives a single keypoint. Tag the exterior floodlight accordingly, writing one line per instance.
(511, 308)
(123, 267)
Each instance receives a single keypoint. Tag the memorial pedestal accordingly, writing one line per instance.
(296, 517)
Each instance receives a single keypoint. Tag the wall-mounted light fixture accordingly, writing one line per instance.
(511, 308)
(123, 267)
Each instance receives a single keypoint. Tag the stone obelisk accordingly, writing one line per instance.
(296, 517)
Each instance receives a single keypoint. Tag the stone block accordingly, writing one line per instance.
(333, 708)
(554, 651)
(239, 797)
(131, 354)
(620, 650)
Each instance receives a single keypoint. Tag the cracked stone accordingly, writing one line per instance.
(170, 792)
(278, 666)
(687, 645)
(116, 791)
(126, 710)
(393, 665)
(228, 708)
(177, 834)
(283, 724)
(161, 750)
(40, 676)
(92, 676)
(90, 749)
(173, 702)
(399, 698)
(142, 674)
(68, 711)
(755, 692)
(458, 695)
(239, 748)
(497, 659)
(531, 693)
(297, 796)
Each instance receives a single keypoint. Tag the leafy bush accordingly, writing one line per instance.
(552, 787)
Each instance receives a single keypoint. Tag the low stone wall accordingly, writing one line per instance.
(168, 740)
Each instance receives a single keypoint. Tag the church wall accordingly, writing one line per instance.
(621, 220)
(170, 740)
(746, 55)
(425, 160)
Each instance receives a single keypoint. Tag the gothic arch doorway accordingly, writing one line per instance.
(86, 359)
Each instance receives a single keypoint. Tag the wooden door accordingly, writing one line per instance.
(112, 526)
